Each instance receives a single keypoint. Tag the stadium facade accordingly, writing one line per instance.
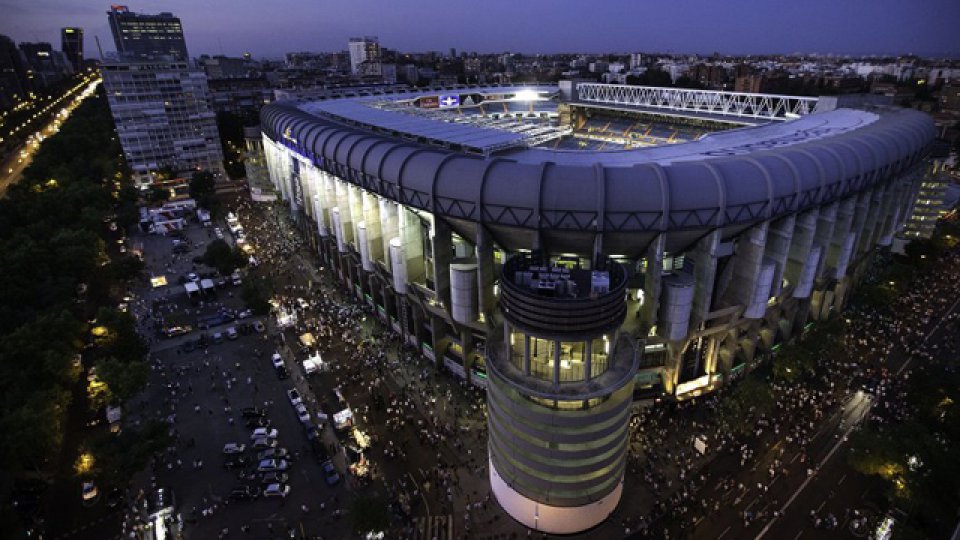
(574, 248)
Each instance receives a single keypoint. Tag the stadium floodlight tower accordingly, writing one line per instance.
(559, 394)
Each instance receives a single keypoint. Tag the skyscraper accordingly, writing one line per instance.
(139, 36)
(71, 43)
(13, 73)
(365, 56)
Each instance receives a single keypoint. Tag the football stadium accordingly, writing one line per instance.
(575, 247)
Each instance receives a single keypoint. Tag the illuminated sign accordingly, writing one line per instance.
(429, 102)
(447, 102)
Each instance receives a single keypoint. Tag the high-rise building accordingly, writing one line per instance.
(636, 60)
(46, 66)
(71, 44)
(365, 56)
(139, 36)
(163, 117)
(13, 73)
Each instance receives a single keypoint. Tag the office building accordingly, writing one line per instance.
(71, 44)
(163, 117)
(14, 85)
(138, 36)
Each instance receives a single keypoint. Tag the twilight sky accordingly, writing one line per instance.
(269, 28)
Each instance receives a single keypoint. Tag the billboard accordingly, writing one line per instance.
(428, 102)
(449, 101)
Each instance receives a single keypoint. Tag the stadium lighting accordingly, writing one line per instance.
(526, 95)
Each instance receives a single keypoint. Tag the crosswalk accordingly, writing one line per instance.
(433, 528)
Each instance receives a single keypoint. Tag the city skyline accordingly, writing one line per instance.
(751, 27)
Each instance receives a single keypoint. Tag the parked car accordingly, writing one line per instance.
(276, 490)
(276, 360)
(274, 478)
(330, 473)
(273, 465)
(236, 462)
(245, 313)
(245, 493)
(193, 277)
(282, 373)
(89, 493)
(218, 337)
(258, 422)
(234, 448)
(259, 327)
(263, 443)
(294, 397)
(262, 432)
(274, 453)
(252, 412)
(232, 333)
(302, 413)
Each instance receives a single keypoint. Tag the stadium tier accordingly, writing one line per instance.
(569, 274)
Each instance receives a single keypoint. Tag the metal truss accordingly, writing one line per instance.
(766, 106)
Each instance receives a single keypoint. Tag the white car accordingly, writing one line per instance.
(261, 433)
(302, 413)
(277, 360)
(294, 397)
(272, 465)
(234, 448)
(276, 490)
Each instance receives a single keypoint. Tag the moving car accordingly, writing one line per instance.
(302, 413)
(276, 360)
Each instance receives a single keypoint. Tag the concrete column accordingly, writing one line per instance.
(442, 255)
(704, 256)
(803, 233)
(389, 226)
(859, 225)
(346, 218)
(363, 244)
(440, 341)
(463, 292)
(747, 259)
(826, 223)
(778, 249)
(651, 281)
(837, 256)
(356, 211)
(411, 235)
(486, 271)
(371, 217)
(338, 229)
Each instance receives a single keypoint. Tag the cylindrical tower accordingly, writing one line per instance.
(559, 394)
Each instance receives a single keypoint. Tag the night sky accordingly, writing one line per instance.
(269, 28)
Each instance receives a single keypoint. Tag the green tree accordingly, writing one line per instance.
(157, 194)
(203, 189)
(256, 294)
(224, 258)
(125, 379)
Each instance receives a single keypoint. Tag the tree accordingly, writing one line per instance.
(369, 514)
(124, 379)
(203, 189)
(158, 194)
(224, 258)
(255, 293)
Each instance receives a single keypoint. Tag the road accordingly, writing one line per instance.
(12, 168)
(807, 487)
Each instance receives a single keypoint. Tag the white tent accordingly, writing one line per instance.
(191, 288)
(207, 285)
(314, 364)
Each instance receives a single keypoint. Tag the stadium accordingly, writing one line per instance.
(575, 247)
